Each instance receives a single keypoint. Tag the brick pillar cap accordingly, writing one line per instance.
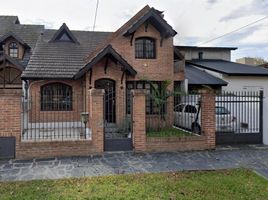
(139, 92)
(97, 92)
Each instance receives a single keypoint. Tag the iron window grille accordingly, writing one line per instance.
(145, 48)
(151, 106)
(56, 97)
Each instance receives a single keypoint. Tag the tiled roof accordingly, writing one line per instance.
(9, 25)
(61, 59)
(230, 68)
(197, 76)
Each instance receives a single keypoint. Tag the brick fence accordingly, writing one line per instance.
(10, 125)
(205, 141)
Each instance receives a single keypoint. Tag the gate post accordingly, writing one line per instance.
(139, 120)
(96, 118)
(208, 119)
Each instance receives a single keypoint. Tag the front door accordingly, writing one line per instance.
(109, 100)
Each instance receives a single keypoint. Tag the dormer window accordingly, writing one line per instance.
(13, 50)
(65, 38)
(64, 35)
(145, 48)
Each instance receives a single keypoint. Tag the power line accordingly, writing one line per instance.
(95, 18)
(210, 40)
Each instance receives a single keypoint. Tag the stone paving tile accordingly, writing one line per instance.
(129, 162)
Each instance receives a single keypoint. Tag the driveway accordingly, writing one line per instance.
(253, 157)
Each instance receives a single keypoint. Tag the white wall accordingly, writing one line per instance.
(191, 53)
(251, 84)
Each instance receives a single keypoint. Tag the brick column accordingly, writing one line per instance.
(96, 118)
(208, 121)
(139, 121)
(10, 113)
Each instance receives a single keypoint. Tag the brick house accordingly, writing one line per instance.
(58, 70)
(71, 62)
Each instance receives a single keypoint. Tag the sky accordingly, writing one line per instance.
(196, 21)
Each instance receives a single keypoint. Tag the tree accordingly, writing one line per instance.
(160, 96)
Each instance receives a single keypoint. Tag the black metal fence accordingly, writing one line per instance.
(60, 124)
(239, 117)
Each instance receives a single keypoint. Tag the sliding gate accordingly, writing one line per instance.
(239, 117)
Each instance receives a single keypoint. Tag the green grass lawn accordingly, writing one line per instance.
(167, 132)
(215, 185)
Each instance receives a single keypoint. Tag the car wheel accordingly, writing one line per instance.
(196, 129)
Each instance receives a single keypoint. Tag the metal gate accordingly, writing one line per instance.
(55, 119)
(7, 147)
(117, 136)
(239, 117)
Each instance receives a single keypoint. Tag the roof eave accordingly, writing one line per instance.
(106, 51)
(151, 14)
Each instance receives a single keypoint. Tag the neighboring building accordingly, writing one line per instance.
(198, 78)
(194, 52)
(251, 61)
(17, 42)
(240, 77)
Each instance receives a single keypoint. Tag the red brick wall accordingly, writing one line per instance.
(10, 125)
(208, 117)
(96, 118)
(70, 148)
(10, 113)
(114, 73)
(205, 141)
(187, 143)
(36, 115)
(139, 122)
(157, 69)
(28, 150)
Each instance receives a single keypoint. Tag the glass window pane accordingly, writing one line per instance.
(145, 48)
(56, 97)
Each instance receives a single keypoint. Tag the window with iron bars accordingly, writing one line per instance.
(151, 106)
(56, 97)
(145, 48)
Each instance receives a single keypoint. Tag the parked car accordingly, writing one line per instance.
(188, 116)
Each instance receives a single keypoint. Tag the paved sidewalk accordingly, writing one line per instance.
(129, 162)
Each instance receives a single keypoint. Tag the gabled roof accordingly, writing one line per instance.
(230, 68)
(26, 34)
(117, 33)
(17, 38)
(69, 56)
(13, 61)
(155, 18)
(108, 51)
(196, 76)
(9, 19)
(64, 31)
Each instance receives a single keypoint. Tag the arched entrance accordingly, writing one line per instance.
(110, 99)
